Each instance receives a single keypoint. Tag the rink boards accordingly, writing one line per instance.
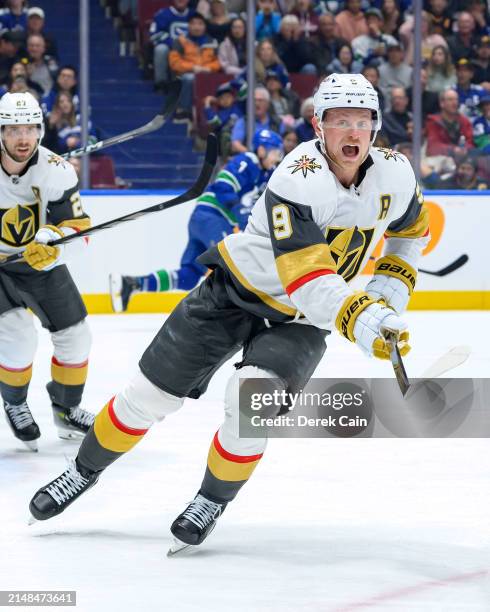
(459, 223)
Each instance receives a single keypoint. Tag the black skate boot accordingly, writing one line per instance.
(195, 524)
(72, 423)
(57, 495)
(22, 424)
(121, 289)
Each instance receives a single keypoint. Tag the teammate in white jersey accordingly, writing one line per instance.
(276, 291)
(39, 202)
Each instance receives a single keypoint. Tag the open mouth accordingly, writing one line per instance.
(351, 151)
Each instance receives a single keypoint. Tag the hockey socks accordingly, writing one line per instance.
(14, 383)
(161, 280)
(67, 384)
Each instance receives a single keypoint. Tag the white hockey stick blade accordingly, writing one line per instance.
(452, 359)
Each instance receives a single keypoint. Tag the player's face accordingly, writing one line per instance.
(270, 158)
(20, 141)
(347, 135)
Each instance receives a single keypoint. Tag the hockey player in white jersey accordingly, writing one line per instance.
(276, 291)
(39, 202)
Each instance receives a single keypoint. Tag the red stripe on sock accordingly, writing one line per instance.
(236, 458)
(117, 423)
(299, 282)
(15, 369)
(69, 365)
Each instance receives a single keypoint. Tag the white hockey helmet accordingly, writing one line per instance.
(347, 91)
(21, 109)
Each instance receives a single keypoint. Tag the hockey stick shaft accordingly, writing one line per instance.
(452, 267)
(156, 123)
(193, 192)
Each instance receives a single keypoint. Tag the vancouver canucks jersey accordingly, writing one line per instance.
(308, 235)
(46, 192)
(236, 188)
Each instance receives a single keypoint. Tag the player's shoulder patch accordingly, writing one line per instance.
(390, 154)
(304, 164)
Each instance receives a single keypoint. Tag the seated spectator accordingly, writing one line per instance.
(222, 111)
(304, 127)
(429, 38)
(430, 100)
(264, 119)
(371, 48)
(465, 176)
(308, 19)
(284, 101)
(168, 24)
(35, 25)
(482, 63)
(372, 75)
(232, 52)
(66, 82)
(10, 43)
(191, 54)
(479, 11)
(469, 94)
(345, 62)
(429, 177)
(266, 58)
(63, 129)
(481, 127)
(327, 43)
(290, 140)
(441, 17)
(392, 17)
(219, 20)
(41, 68)
(297, 53)
(462, 43)
(267, 19)
(351, 21)
(398, 123)
(14, 16)
(440, 69)
(395, 72)
(449, 132)
(19, 69)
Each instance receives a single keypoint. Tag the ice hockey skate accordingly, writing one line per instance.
(121, 289)
(72, 423)
(194, 525)
(57, 495)
(22, 424)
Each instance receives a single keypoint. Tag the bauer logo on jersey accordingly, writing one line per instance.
(348, 247)
(303, 164)
(20, 224)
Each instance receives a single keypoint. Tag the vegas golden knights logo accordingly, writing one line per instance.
(348, 247)
(19, 224)
(385, 202)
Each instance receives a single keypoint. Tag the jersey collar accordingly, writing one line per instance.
(33, 161)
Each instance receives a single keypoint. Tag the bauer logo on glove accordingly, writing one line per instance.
(39, 254)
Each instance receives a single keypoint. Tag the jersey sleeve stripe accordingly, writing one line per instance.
(295, 265)
(227, 177)
(299, 282)
(419, 228)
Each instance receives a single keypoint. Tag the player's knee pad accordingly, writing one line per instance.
(72, 345)
(18, 338)
(141, 403)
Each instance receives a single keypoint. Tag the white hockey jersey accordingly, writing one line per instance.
(46, 192)
(308, 236)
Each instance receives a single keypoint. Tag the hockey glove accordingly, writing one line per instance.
(366, 322)
(39, 255)
(393, 282)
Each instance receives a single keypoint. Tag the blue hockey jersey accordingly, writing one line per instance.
(168, 24)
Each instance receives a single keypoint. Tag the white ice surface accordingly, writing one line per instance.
(323, 525)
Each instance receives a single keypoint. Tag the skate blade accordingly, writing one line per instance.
(178, 547)
(69, 434)
(31, 520)
(31, 445)
(115, 287)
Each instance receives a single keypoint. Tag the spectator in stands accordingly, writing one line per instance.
(308, 19)
(441, 72)
(430, 99)
(264, 119)
(371, 48)
(35, 25)
(168, 24)
(429, 38)
(61, 124)
(465, 176)
(429, 178)
(267, 19)
(222, 111)
(232, 52)
(440, 17)
(327, 43)
(290, 140)
(469, 94)
(285, 102)
(372, 75)
(462, 43)
(191, 54)
(449, 132)
(395, 72)
(9, 52)
(66, 82)
(481, 127)
(297, 53)
(42, 68)
(351, 21)
(479, 11)
(398, 124)
(392, 17)
(482, 63)
(304, 127)
(266, 58)
(219, 21)
(19, 69)
(14, 17)
(345, 62)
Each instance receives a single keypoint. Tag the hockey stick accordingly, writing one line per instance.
(193, 192)
(450, 360)
(155, 124)
(397, 362)
(452, 267)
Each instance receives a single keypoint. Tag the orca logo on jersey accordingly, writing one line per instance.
(348, 247)
(19, 224)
